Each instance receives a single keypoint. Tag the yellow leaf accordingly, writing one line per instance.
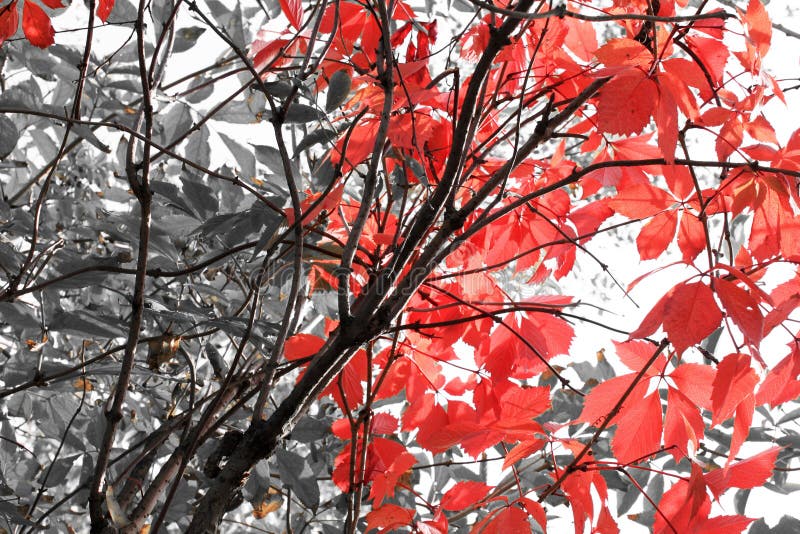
(82, 383)
(161, 350)
(267, 507)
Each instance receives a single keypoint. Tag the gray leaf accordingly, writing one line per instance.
(270, 157)
(247, 111)
(320, 135)
(198, 149)
(245, 160)
(9, 135)
(310, 429)
(792, 415)
(44, 143)
(123, 11)
(268, 233)
(186, 38)
(630, 497)
(787, 525)
(175, 122)
(17, 314)
(279, 89)
(10, 513)
(302, 113)
(88, 135)
(740, 500)
(172, 193)
(75, 322)
(338, 89)
(200, 94)
(296, 473)
(201, 197)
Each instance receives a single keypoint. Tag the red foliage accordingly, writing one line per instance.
(475, 364)
(36, 25)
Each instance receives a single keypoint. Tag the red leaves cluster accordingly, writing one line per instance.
(502, 412)
(636, 93)
(651, 98)
(688, 313)
(36, 23)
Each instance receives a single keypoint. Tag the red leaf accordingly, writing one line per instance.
(36, 25)
(691, 237)
(656, 235)
(473, 437)
(267, 55)
(667, 123)
(741, 424)
(512, 520)
(653, 319)
(626, 103)
(725, 524)
(682, 424)
(341, 428)
(760, 129)
(581, 38)
(9, 20)
(742, 308)
(759, 27)
(587, 219)
(602, 399)
(635, 354)
(536, 511)
(104, 8)
(735, 380)
(679, 91)
(387, 460)
(781, 384)
(419, 411)
(438, 525)
(715, 116)
(688, 312)
(712, 52)
(383, 423)
(504, 354)
(52, 4)
(690, 315)
(429, 418)
(384, 481)
(684, 505)
(730, 138)
(690, 74)
(623, 51)
(464, 494)
(606, 523)
(578, 489)
(639, 429)
(520, 405)
(746, 474)
(301, 346)
(523, 450)
(760, 152)
(641, 200)
(696, 382)
(388, 517)
(293, 9)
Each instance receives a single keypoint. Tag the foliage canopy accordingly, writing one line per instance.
(317, 282)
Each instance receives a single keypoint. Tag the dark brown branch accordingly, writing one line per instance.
(138, 177)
